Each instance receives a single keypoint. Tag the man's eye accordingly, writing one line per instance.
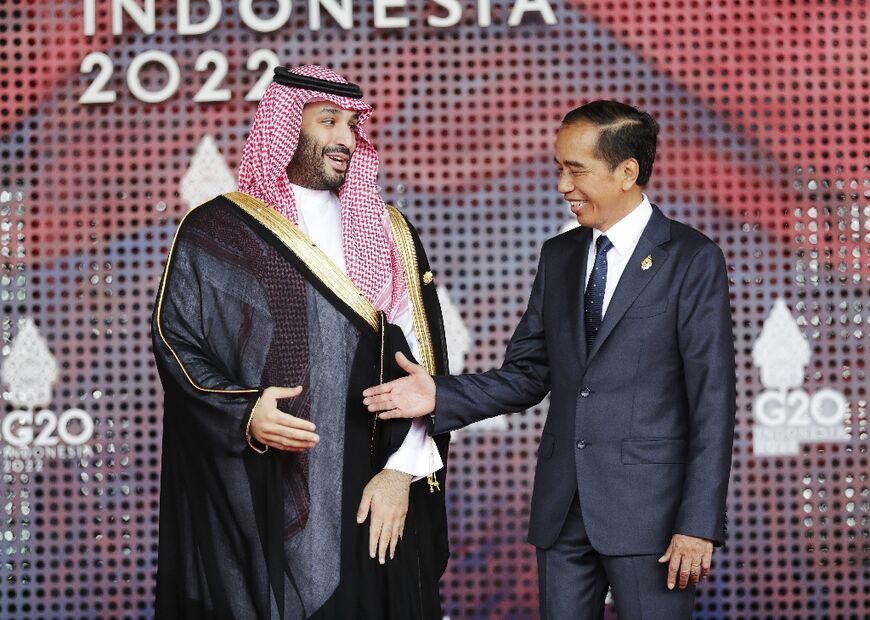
(328, 121)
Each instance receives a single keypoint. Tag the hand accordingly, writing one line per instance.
(386, 496)
(409, 397)
(279, 430)
(688, 556)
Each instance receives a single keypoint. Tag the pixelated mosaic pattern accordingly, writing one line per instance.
(764, 109)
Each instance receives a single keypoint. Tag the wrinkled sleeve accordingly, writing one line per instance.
(197, 330)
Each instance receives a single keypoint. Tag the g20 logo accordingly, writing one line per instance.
(44, 428)
(826, 407)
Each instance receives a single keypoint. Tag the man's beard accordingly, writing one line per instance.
(308, 168)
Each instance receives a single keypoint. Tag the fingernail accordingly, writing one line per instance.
(381, 560)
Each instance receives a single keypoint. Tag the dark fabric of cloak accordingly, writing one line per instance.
(245, 303)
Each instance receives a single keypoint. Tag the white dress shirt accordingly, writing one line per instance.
(624, 236)
(320, 218)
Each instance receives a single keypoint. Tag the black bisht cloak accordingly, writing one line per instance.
(247, 302)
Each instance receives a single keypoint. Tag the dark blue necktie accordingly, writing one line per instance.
(594, 298)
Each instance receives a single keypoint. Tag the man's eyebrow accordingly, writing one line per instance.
(569, 162)
(355, 116)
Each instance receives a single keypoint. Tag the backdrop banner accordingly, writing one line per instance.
(118, 116)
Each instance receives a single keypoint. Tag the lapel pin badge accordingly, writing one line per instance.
(428, 277)
(646, 263)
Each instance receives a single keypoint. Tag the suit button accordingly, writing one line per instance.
(585, 392)
(581, 444)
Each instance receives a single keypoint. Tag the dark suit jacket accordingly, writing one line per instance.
(642, 427)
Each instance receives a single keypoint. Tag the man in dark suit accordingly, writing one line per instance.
(628, 328)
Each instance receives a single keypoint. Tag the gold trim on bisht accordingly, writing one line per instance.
(314, 258)
(160, 321)
(408, 254)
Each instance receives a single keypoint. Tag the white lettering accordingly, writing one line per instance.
(383, 20)
(90, 17)
(145, 18)
(152, 96)
(454, 14)
(246, 12)
(185, 26)
(484, 13)
(24, 435)
(340, 10)
(524, 6)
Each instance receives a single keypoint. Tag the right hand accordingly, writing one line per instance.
(409, 397)
(276, 429)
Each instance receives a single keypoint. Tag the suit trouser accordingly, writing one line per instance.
(573, 579)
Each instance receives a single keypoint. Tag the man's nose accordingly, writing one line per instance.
(564, 185)
(345, 137)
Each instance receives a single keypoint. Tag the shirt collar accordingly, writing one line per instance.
(625, 234)
(308, 195)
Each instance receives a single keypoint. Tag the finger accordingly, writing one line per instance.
(365, 503)
(383, 388)
(695, 573)
(374, 536)
(706, 563)
(667, 554)
(384, 542)
(378, 399)
(291, 421)
(280, 445)
(406, 364)
(282, 392)
(685, 570)
(298, 446)
(382, 406)
(673, 567)
(393, 414)
(396, 537)
(295, 438)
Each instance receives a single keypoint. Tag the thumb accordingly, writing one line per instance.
(667, 556)
(406, 364)
(282, 392)
(363, 511)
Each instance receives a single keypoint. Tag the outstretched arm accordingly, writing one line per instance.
(521, 382)
(409, 397)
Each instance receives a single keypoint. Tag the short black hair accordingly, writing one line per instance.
(625, 133)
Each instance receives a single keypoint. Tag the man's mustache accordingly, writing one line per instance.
(337, 149)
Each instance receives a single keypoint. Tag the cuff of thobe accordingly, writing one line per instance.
(418, 455)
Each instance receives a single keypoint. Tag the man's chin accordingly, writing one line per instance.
(336, 181)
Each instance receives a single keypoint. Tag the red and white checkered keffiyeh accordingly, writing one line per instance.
(370, 253)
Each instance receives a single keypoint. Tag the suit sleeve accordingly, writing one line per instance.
(706, 344)
(522, 381)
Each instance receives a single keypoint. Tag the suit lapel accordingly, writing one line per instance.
(634, 279)
(576, 274)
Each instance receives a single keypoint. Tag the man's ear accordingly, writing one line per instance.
(628, 171)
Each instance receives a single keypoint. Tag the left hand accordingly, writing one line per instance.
(386, 497)
(689, 559)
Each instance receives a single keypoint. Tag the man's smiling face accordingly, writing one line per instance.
(595, 193)
(327, 140)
